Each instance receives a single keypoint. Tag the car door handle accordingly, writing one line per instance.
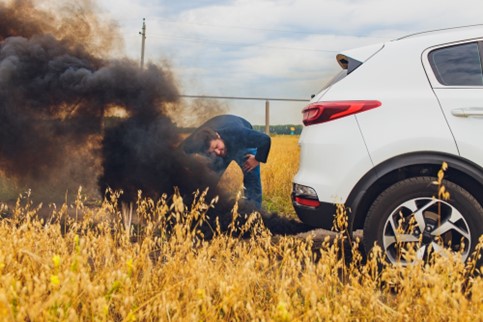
(468, 112)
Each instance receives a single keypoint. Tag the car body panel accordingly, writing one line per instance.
(467, 128)
(348, 152)
(411, 117)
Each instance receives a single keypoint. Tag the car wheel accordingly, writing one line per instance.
(407, 214)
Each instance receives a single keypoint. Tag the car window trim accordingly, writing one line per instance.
(480, 50)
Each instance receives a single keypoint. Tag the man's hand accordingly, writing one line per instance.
(250, 163)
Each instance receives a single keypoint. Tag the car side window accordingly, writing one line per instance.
(458, 65)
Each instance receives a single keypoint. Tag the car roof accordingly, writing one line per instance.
(420, 40)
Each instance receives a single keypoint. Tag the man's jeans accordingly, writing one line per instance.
(251, 180)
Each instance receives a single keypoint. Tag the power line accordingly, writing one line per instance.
(266, 99)
(247, 98)
(235, 44)
(238, 27)
(211, 25)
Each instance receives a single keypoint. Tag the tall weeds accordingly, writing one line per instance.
(156, 266)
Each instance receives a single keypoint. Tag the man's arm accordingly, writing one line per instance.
(254, 139)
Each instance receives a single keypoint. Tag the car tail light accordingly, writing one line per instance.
(304, 195)
(320, 112)
(307, 202)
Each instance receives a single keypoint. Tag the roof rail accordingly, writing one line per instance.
(436, 30)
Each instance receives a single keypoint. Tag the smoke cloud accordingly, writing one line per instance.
(56, 89)
(55, 92)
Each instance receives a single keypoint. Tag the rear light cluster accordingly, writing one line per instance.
(320, 112)
(305, 196)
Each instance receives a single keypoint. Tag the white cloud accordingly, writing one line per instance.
(271, 48)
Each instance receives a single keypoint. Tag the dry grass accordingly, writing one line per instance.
(277, 175)
(101, 268)
(278, 172)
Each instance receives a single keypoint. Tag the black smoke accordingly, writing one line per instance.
(141, 153)
(56, 90)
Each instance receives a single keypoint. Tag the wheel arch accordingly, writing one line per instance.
(463, 172)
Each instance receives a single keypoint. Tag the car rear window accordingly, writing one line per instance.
(458, 65)
(340, 75)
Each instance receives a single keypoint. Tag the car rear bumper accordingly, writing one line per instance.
(320, 217)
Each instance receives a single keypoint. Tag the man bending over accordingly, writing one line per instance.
(227, 138)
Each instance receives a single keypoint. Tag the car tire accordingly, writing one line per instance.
(408, 213)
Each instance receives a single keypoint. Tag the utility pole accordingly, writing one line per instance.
(143, 35)
(267, 117)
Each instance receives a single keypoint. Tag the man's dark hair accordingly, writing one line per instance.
(200, 141)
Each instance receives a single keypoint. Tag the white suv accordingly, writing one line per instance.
(376, 136)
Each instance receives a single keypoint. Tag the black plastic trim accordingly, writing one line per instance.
(320, 217)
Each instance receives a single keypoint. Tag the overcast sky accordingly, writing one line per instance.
(268, 48)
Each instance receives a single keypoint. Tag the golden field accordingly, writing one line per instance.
(100, 267)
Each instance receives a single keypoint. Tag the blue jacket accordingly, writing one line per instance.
(238, 134)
